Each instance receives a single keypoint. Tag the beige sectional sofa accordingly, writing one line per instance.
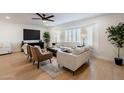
(72, 61)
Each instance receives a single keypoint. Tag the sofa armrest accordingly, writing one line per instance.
(66, 54)
(71, 61)
(67, 60)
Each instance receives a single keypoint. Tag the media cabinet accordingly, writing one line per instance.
(40, 43)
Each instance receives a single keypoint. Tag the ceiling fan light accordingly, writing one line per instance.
(44, 21)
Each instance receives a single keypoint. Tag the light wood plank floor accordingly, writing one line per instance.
(16, 67)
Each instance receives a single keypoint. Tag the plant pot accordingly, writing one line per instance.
(118, 61)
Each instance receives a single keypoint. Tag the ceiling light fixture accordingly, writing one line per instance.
(44, 21)
(8, 17)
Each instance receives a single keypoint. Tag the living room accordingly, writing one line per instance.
(72, 38)
(62, 46)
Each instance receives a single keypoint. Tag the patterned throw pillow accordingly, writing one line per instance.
(38, 47)
(66, 49)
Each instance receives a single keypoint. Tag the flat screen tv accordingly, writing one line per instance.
(30, 34)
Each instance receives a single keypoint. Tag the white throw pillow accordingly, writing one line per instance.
(38, 47)
(78, 51)
(68, 49)
(24, 47)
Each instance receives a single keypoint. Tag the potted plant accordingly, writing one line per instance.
(116, 37)
(46, 37)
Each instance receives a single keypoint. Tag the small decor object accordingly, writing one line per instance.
(53, 44)
(116, 37)
(46, 36)
(84, 39)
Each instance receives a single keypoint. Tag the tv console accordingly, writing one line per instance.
(40, 43)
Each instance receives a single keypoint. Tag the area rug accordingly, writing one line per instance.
(51, 68)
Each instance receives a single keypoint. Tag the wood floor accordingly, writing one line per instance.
(16, 67)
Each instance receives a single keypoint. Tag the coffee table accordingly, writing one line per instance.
(53, 50)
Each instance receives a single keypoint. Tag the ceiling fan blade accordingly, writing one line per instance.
(50, 20)
(39, 15)
(43, 15)
(50, 16)
(36, 18)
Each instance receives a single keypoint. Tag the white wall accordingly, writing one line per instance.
(14, 32)
(102, 48)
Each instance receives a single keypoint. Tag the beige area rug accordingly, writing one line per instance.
(51, 68)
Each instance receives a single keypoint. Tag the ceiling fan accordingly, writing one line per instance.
(44, 17)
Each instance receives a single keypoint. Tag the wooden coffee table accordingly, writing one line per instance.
(53, 50)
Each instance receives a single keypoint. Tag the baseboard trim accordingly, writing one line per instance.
(104, 58)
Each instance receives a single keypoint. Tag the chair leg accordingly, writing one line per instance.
(38, 65)
(30, 59)
(27, 57)
(58, 65)
(73, 73)
(33, 62)
(88, 61)
(50, 60)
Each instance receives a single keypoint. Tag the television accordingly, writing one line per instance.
(30, 34)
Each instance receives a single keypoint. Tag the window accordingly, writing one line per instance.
(56, 37)
(72, 35)
(82, 35)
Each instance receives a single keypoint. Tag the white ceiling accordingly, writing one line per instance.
(60, 18)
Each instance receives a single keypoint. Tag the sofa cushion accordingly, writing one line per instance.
(66, 49)
(78, 51)
(68, 44)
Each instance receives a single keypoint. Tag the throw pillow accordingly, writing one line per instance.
(38, 47)
(78, 51)
(24, 47)
(66, 49)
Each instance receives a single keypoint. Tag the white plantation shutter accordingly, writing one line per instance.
(72, 35)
